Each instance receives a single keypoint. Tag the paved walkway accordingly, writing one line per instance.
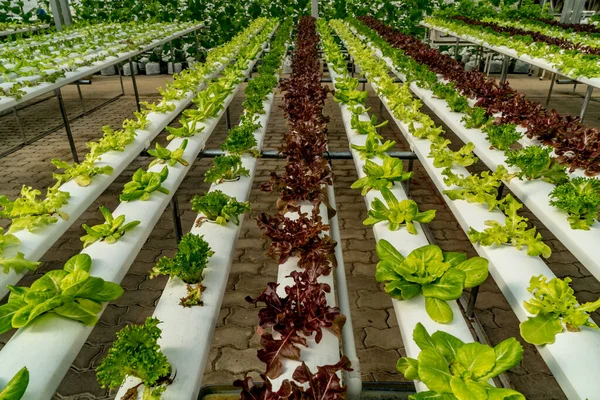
(233, 353)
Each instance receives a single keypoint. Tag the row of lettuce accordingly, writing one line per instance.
(439, 276)
(553, 305)
(31, 212)
(287, 321)
(79, 296)
(574, 143)
(30, 66)
(572, 52)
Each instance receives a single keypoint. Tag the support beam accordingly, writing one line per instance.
(315, 8)
(56, 14)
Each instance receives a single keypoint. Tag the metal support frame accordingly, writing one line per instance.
(504, 73)
(227, 118)
(552, 80)
(331, 155)
(456, 48)
(135, 88)
(56, 14)
(411, 162)
(586, 102)
(80, 97)
(172, 57)
(21, 130)
(176, 218)
(63, 112)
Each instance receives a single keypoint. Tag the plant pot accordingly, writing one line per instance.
(108, 71)
(127, 70)
(178, 68)
(152, 68)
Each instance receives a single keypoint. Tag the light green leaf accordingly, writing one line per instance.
(508, 353)
(449, 287)
(408, 367)
(467, 390)
(15, 388)
(541, 329)
(386, 251)
(447, 344)
(79, 262)
(503, 394)
(438, 310)
(434, 371)
(7, 312)
(475, 269)
(78, 312)
(477, 358)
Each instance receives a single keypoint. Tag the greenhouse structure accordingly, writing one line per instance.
(300, 199)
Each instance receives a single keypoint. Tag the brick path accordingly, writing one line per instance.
(233, 351)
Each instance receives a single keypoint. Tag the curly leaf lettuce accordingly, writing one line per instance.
(380, 176)
(553, 305)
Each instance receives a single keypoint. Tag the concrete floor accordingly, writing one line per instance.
(235, 342)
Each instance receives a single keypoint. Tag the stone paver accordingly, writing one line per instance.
(233, 352)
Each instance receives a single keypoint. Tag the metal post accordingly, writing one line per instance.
(227, 119)
(552, 79)
(21, 130)
(574, 87)
(380, 108)
(121, 79)
(81, 97)
(176, 218)
(63, 112)
(505, 63)
(55, 7)
(314, 10)
(135, 89)
(471, 303)
(172, 57)
(66, 12)
(407, 183)
(456, 48)
(586, 101)
(197, 45)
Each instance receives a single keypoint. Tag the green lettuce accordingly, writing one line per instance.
(535, 163)
(580, 199)
(554, 304)
(15, 388)
(380, 176)
(110, 231)
(452, 369)
(482, 189)
(514, 231)
(399, 212)
(226, 168)
(219, 207)
(70, 292)
(165, 156)
(439, 276)
(143, 183)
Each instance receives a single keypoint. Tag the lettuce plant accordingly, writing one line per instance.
(188, 128)
(443, 157)
(397, 213)
(373, 146)
(367, 127)
(452, 369)
(535, 163)
(161, 107)
(18, 262)
(16, 387)
(188, 265)
(136, 353)
(553, 305)
(476, 117)
(82, 172)
(580, 199)
(143, 183)
(379, 176)
(165, 156)
(439, 276)
(27, 212)
(219, 207)
(514, 231)
(482, 188)
(69, 292)
(502, 137)
(110, 231)
(346, 93)
(241, 139)
(226, 168)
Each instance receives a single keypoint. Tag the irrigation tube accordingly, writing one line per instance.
(354, 380)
